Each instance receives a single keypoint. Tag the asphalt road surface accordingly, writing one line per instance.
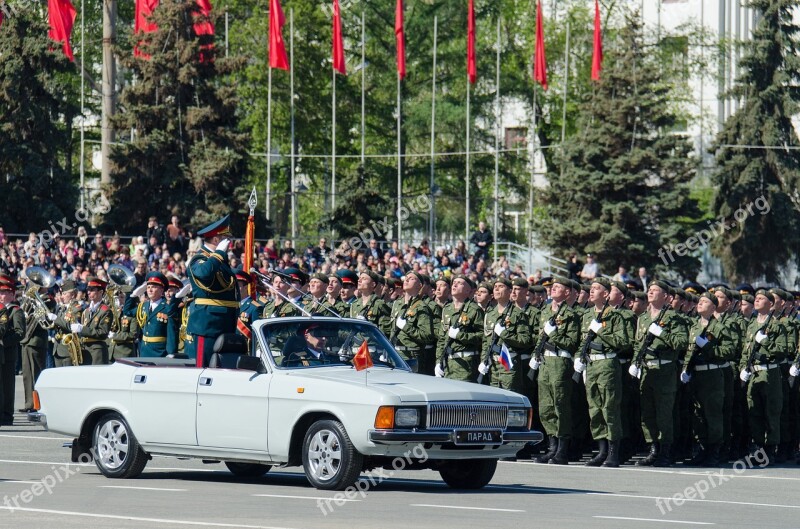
(39, 488)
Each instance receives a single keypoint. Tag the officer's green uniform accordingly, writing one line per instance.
(34, 356)
(14, 333)
(123, 345)
(416, 336)
(96, 326)
(374, 310)
(67, 315)
(463, 352)
(160, 329)
(249, 312)
(516, 336)
(3, 327)
(658, 383)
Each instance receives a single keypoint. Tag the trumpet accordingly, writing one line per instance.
(120, 280)
(33, 305)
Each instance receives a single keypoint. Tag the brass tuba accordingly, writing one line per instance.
(120, 280)
(33, 305)
(73, 343)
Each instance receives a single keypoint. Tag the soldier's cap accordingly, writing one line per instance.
(575, 285)
(465, 279)
(488, 285)
(174, 282)
(693, 297)
(222, 227)
(7, 282)
(335, 277)
(96, 282)
(745, 288)
(622, 287)
(719, 288)
(520, 282)
(561, 280)
(373, 276)
(303, 329)
(663, 285)
(781, 293)
(546, 281)
(735, 295)
(585, 286)
(68, 285)
(709, 296)
(681, 293)
(443, 278)
(748, 298)
(634, 284)
(295, 274)
(693, 288)
(396, 282)
(419, 276)
(638, 294)
(766, 293)
(153, 278)
(320, 276)
(244, 277)
(716, 284)
(603, 282)
(425, 278)
(503, 281)
(537, 289)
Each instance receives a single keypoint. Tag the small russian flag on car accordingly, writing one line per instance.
(505, 358)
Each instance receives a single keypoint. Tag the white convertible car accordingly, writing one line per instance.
(293, 399)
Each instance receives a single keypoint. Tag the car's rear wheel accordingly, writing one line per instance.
(247, 470)
(468, 473)
(330, 460)
(116, 451)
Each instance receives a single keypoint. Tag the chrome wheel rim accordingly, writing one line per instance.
(325, 455)
(112, 444)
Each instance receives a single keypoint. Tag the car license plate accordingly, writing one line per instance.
(478, 437)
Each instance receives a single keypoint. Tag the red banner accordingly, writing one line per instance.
(540, 60)
(277, 49)
(142, 22)
(597, 56)
(62, 17)
(338, 43)
(472, 62)
(399, 37)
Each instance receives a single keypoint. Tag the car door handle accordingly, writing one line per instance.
(139, 379)
(205, 381)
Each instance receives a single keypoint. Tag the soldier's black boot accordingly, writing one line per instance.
(601, 456)
(712, 455)
(699, 459)
(551, 451)
(771, 451)
(783, 453)
(663, 459)
(613, 454)
(562, 454)
(650, 458)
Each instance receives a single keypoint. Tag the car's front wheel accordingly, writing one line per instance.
(330, 460)
(468, 473)
(247, 470)
(116, 451)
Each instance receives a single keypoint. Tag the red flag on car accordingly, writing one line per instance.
(472, 62)
(540, 61)
(362, 359)
(62, 17)
(400, 39)
(338, 43)
(597, 56)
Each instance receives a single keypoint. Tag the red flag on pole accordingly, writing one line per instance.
(597, 56)
(338, 44)
(362, 359)
(399, 37)
(277, 49)
(142, 22)
(472, 63)
(203, 26)
(540, 61)
(62, 17)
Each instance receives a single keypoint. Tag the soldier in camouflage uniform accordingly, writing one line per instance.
(789, 407)
(314, 301)
(278, 307)
(483, 295)
(370, 306)
(333, 299)
(413, 326)
(441, 297)
(460, 335)
(733, 322)
(629, 407)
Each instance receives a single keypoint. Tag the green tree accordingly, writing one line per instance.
(757, 151)
(187, 155)
(620, 186)
(35, 116)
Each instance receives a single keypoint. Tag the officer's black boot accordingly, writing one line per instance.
(664, 459)
(783, 453)
(649, 458)
(562, 454)
(551, 451)
(712, 455)
(699, 459)
(771, 451)
(601, 456)
(613, 454)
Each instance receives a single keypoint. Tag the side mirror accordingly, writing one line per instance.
(250, 363)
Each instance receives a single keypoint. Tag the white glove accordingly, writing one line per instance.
(183, 291)
(483, 369)
(401, 323)
(438, 371)
(76, 327)
(223, 245)
(635, 371)
(549, 329)
(498, 328)
(139, 291)
(579, 366)
(453, 332)
(360, 317)
(534, 364)
(111, 335)
(685, 377)
(794, 371)
(51, 316)
(595, 326)
(760, 337)
(170, 356)
(700, 341)
(655, 329)
(744, 376)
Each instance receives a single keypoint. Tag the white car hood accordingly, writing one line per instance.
(414, 388)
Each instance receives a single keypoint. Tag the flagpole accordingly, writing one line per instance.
(399, 173)
(83, 118)
(432, 212)
(566, 85)
(291, 106)
(466, 209)
(333, 144)
(497, 143)
(269, 133)
(363, 92)
(533, 178)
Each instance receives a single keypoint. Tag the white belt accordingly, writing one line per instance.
(784, 361)
(764, 367)
(464, 354)
(654, 363)
(726, 364)
(707, 367)
(561, 352)
(525, 357)
(602, 356)
(623, 360)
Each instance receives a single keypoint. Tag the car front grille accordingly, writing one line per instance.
(457, 415)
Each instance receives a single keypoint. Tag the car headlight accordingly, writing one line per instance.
(517, 418)
(406, 417)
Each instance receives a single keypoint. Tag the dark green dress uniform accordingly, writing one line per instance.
(34, 356)
(159, 329)
(123, 344)
(460, 355)
(417, 335)
(215, 305)
(94, 335)
(516, 336)
(374, 310)
(3, 327)
(14, 333)
(658, 384)
(249, 312)
(67, 315)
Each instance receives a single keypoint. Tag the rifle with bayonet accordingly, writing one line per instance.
(638, 360)
(755, 350)
(538, 353)
(587, 342)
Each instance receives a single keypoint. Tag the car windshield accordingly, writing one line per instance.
(306, 343)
